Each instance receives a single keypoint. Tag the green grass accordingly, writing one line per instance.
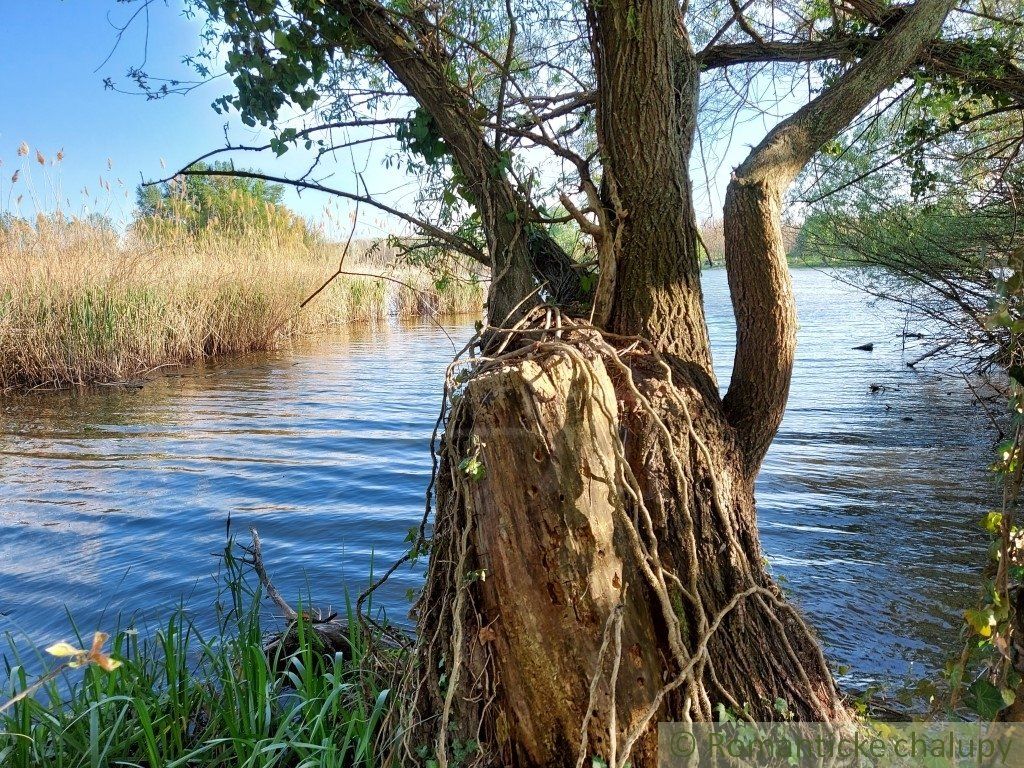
(182, 699)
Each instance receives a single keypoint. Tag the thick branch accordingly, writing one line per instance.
(730, 54)
(759, 281)
(947, 58)
(420, 64)
(951, 58)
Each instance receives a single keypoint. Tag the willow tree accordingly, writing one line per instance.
(594, 556)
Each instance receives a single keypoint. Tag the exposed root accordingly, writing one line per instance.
(452, 674)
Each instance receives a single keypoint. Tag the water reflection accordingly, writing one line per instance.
(117, 499)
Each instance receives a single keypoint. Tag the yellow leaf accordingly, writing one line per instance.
(64, 649)
(982, 621)
(98, 639)
(107, 664)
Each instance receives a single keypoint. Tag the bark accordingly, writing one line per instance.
(755, 256)
(647, 80)
(730, 54)
(563, 643)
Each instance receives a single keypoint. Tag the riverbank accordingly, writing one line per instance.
(297, 696)
(80, 304)
(115, 497)
(325, 440)
(180, 697)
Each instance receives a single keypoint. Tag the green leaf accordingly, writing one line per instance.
(992, 522)
(981, 620)
(988, 700)
(473, 468)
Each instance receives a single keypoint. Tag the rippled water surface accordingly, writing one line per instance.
(115, 500)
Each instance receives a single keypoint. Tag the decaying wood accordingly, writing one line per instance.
(602, 573)
(331, 633)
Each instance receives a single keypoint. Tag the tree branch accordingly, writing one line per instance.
(730, 54)
(457, 243)
(421, 68)
(759, 282)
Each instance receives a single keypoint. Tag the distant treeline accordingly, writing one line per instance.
(712, 243)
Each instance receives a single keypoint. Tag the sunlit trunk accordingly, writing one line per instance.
(598, 569)
(595, 565)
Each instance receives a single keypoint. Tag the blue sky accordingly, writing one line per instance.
(52, 71)
(54, 99)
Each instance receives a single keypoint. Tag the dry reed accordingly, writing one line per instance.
(80, 303)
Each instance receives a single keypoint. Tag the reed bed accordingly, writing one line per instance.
(81, 303)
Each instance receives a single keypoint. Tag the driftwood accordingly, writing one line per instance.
(333, 635)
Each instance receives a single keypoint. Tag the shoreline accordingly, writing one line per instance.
(141, 377)
(79, 308)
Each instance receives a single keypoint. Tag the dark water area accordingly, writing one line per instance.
(116, 501)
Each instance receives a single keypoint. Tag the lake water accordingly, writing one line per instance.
(116, 500)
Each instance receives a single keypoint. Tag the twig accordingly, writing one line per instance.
(707, 251)
(256, 554)
(341, 261)
(930, 353)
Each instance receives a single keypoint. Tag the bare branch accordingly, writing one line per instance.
(457, 243)
(255, 553)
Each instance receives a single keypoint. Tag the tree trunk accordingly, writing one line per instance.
(647, 106)
(595, 565)
(603, 573)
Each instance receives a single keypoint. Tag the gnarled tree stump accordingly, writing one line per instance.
(600, 573)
